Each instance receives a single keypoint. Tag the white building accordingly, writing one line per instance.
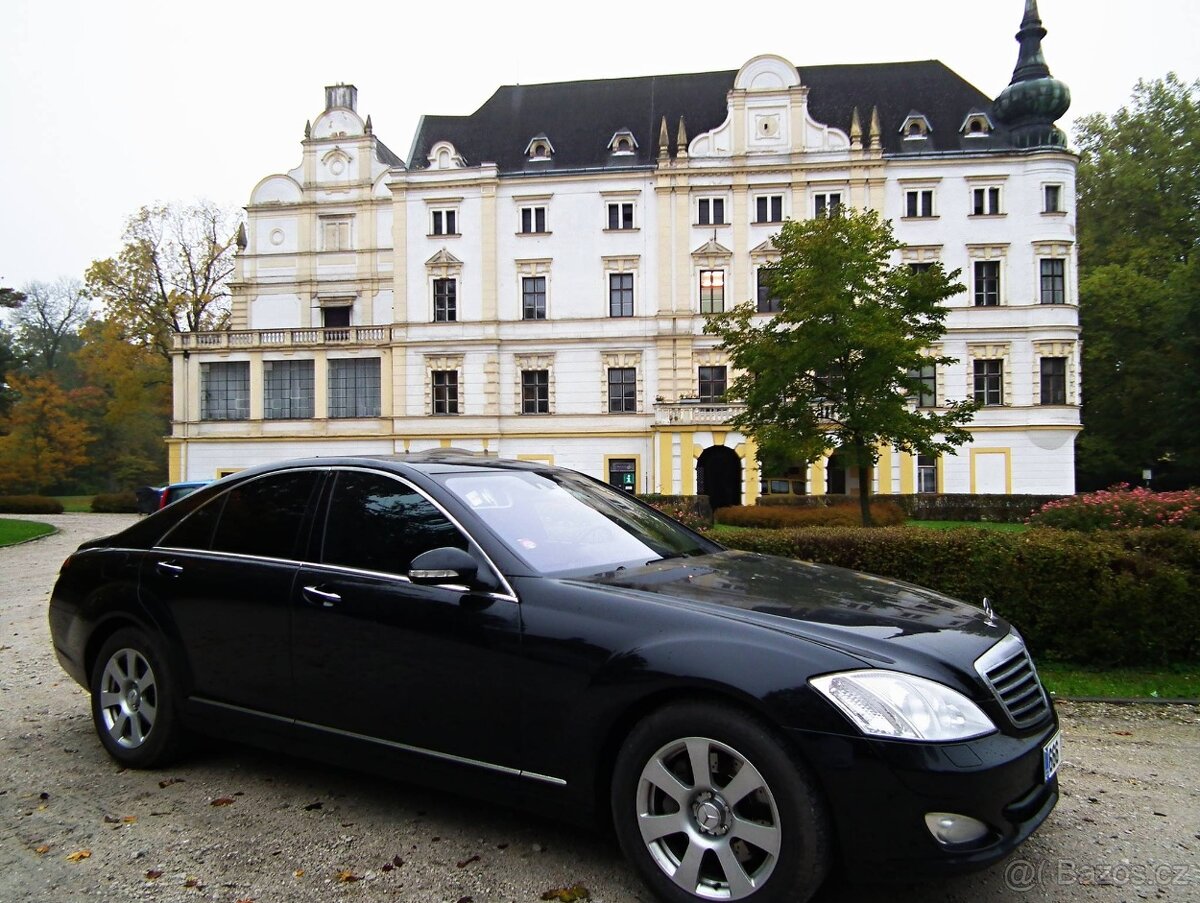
(532, 282)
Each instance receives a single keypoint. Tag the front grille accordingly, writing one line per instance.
(1009, 671)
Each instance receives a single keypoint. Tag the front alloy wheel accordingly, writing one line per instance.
(710, 803)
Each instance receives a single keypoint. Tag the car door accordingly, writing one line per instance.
(223, 579)
(375, 655)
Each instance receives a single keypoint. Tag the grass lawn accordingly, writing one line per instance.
(76, 503)
(1175, 682)
(14, 531)
(969, 524)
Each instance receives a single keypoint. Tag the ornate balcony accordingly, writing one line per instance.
(249, 339)
(695, 413)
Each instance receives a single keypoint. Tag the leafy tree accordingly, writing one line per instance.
(46, 441)
(834, 368)
(128, 410)
(49, 319)
(171, 276)
(10, 297)
(1139, 228)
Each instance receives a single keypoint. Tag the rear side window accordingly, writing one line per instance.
(196, 530)
(263, 517)
(378, 523)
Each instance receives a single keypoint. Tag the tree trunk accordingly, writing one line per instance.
(864, 494)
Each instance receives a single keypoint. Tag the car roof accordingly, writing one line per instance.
(433, 461)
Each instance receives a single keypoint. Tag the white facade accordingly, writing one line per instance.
(349, 255)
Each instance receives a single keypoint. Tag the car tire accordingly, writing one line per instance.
(134, 702)
(751, 827)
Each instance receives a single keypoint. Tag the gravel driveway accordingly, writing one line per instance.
(232, 824)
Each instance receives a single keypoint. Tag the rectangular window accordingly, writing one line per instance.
(535, 391)
(920, 267)
(620, 215)
(445, 391)
(767, 302)
(711, 212)
(533, 298)
(768, 209)
(986, 201)
(927, 374)
(225, 391)
(1054, 380)
(335, 233)
(443, 222)
(622, 473)
(354, 387)
(987, 283)
(919, 203)
(1054, 280)
(926, 473)
(827, 203)
(287, 390)
(712, 384)
(620, 294)
(1052, 199)
(533, 220)
(622, 390)
(712, 291)
(445, 300)
(989, 382)
(336, 317)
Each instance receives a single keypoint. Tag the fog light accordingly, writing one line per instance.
(951, 829)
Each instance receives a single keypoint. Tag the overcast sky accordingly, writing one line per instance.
(107, 106)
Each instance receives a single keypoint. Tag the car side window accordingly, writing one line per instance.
(378, 523)
(196, 530)
(263, 517)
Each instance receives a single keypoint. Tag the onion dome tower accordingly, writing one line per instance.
(1033, 100)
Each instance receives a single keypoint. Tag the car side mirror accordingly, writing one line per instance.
(444, 565)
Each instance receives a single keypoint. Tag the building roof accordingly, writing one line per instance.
(579, 118)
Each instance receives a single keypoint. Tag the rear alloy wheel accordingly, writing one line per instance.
(710, 806)
(133, 708)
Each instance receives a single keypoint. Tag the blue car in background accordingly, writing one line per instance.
(152, 498)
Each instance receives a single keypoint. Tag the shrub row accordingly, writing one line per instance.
(691, 510)
(1007, 509)
(1122, 507)
(1128, 598)
(115, 503)
(29, 504)
(883, 513)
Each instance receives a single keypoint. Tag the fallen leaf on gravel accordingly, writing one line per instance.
(222, 801)
(348, 877)
(568, 894)
(78, 855)
(193, 882)
(111, 820)
(130, 819)
(397, 861)
(464, 863)
(299, 873)
(42, 850)
(153, 874)
(1123, 733)
(169, 781)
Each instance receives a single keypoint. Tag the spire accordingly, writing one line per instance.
(367, 127)
(855, 130)
(308, 128)
(1033, 100)
(662, 140)
(876, 131)
(241, 237)
(681, 141)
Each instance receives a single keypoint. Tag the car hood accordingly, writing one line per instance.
(880, 620)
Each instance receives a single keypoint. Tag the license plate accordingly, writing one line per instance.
(1051, 756)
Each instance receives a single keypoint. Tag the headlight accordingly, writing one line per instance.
(903, 707)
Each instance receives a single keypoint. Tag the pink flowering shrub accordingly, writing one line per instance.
(1122, 507)
(691, 511)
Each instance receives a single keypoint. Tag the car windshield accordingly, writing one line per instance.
(559, 522)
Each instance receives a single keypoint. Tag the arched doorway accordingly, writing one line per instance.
(719, 476)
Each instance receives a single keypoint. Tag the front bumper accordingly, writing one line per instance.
(880, 791)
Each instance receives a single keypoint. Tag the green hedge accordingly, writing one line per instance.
(1122, 598)
(847, 514)
(29, 504)
(1005, 509)
(115, 503)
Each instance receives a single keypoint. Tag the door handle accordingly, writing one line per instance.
(168, 570)
(325, 598)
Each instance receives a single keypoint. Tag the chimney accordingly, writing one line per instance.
(345, 96)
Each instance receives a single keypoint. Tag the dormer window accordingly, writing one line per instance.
(977, 125)
(444, 156)
(622, 143)
(539, 148)
(915, 127)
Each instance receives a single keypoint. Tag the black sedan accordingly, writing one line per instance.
(525, 632)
